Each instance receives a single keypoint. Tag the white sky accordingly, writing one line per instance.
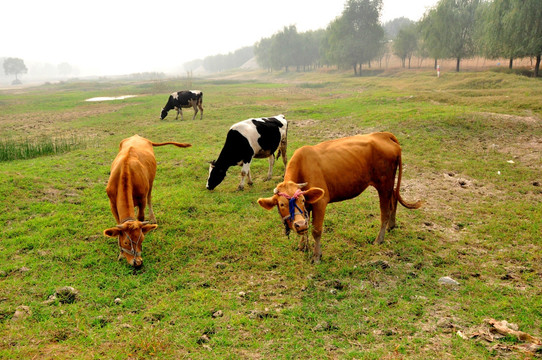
(107, 37)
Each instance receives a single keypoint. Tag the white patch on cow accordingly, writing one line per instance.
(248, 130)
(175, 95)
(195, 92)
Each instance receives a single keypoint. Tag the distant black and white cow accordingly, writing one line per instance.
(248, 139)
(184, 99)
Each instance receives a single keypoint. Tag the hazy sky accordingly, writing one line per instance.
(119, 37)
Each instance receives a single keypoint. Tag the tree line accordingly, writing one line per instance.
(452, 29)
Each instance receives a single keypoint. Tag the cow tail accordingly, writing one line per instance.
(182, 145)
(408, 205)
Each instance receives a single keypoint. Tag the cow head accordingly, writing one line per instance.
(290, 201)
(130, 235)
(216, 175)
(163, 114)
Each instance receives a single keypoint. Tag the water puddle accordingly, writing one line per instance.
(108, 98)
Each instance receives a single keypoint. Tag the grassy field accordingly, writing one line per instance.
(220, 278)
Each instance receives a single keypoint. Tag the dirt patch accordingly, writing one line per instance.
(444, 193)
(43, 123)
(531, 119)
(525, 148)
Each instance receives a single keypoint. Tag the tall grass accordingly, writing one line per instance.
(28, 148)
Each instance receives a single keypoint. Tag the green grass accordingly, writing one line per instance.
(27, 149)
(220, 251)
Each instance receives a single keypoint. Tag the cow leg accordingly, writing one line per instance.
(177, 117)
(249, 175)
(181, 111)
(318, 212)
(195, 112)
(152, 218)
(270, 170)
(245, 170)
(201, 111)
(393, 210)
(385, 213)
(283, 146)
(141, 210)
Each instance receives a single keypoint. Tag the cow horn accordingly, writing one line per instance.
(275, 191)
(145, 222)
(302, 185)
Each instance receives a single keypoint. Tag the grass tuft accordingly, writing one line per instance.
(31, 148)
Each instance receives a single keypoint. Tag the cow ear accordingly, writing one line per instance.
(268, 203)
(313, 195)
(112, 232)
(148, 227)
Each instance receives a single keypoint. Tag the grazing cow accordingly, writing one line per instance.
(184, 99)
(251, 138)
(338, 170)
(130, 185)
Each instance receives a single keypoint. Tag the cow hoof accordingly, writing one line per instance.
(240, 188)
(316, 260)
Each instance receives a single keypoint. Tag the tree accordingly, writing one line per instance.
(392, 27)
(14, 66)
(262, 51)
(355, 37)
(527, 23)
(452, 25)
(511, 29)
(495, 34)
(429, 42)
(285, 48)
(406, 43)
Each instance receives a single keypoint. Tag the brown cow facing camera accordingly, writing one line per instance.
(130, 186)
(338, 170)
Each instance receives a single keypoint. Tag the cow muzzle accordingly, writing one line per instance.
(137, 262)
(301, 226)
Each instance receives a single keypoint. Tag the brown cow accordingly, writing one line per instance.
(130, 185)
(338, 170)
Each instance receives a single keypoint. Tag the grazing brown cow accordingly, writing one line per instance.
(338, 170)
(130, 185)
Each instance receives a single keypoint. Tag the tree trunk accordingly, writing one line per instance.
(511, 63)
(355, 69)
(409, 58)
(537, 66)
(457, 64)
(436, 64)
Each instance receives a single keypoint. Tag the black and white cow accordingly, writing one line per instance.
(248, 139)
(184, 99)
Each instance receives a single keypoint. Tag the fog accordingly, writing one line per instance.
(62, 38)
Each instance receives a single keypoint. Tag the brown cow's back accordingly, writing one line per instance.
(343, 168)
(132, 174)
